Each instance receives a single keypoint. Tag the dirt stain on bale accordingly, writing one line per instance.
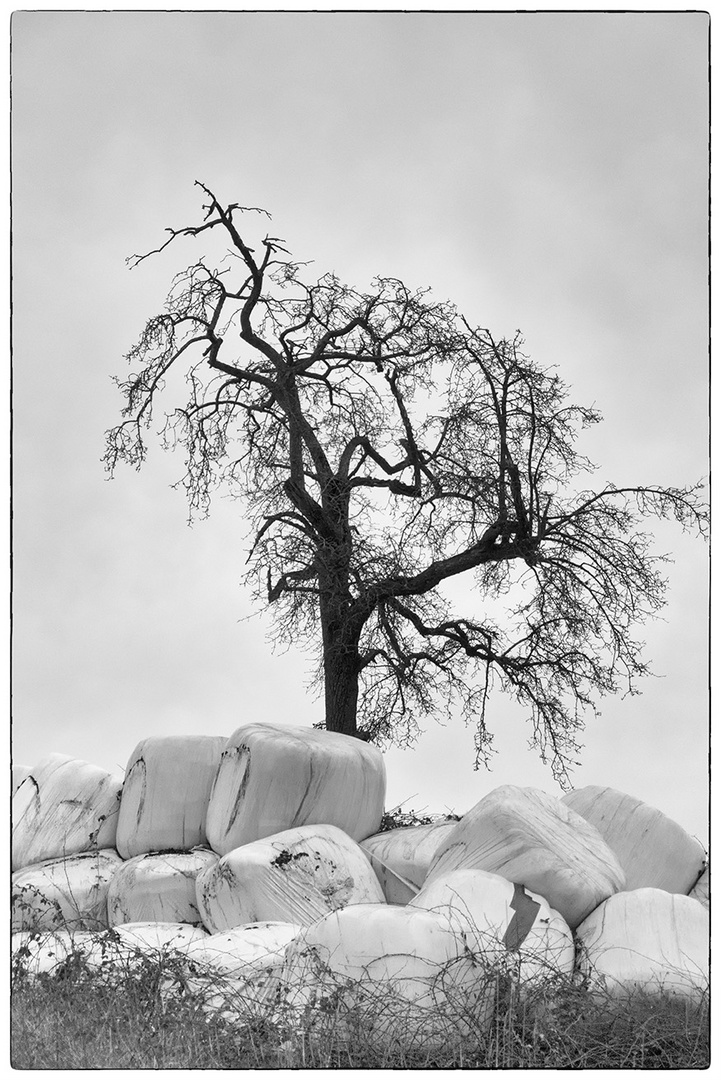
(242, 786)
(338, 893)
(285, 857)
(140, 766)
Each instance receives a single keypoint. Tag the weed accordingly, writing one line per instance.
(163, 1011)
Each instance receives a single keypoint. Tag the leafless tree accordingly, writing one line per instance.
(382, 445)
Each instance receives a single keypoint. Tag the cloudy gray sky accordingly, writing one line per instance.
(544, 171)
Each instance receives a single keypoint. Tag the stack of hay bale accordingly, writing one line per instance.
(258, 859)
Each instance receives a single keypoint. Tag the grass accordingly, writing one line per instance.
(77, 1019)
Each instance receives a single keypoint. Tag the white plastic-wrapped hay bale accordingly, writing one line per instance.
(503, 922)
(130, 946)
(654, 851)
(536, 841)
(234, 952)
(19, 774)
(396, 889)
(272, 778)
(110, 954)
(70, 892)
(54, 952)
(234, 971)
(400, 972)
(701, 890)
(646, 939)
(62, 807)
(49, 952)
(401, 857)
(155, 938)
(158, 888)
(165, 796)
(295, 876)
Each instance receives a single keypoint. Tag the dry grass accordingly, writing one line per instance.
(77, 1019)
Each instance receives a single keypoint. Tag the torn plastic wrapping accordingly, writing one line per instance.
(504, 922)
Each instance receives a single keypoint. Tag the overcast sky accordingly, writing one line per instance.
(546, 172)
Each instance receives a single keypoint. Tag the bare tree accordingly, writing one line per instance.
(382, 445)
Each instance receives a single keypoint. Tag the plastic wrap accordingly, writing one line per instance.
(396, 889)
(536, 841)
(62, 807)
(110, 954)
(272, 778)
(401, 857)
(158, 888)
(69, 892)
(232, 951)
(165, 796)
(504, 922)
(99, 951)
(34, 953)
(153, 938)
(295, 876)
(646, 939)
(654, 851)
(399, 972)
(234, 972)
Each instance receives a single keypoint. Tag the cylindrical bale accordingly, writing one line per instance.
(295, 876)
(504, 922)
(235, 972)
(399, 973)
(158, 887)
(110, 954)
(49, 952)
(654, 851)
(70, 892)
(165, 795)
(272, 778)
(63, 806)
(401, 857)
(154, 938)
(649, 940)
(231, 951)
(536, 841)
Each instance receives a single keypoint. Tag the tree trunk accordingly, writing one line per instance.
(340, 663)
(341, 633)
(341, 687)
